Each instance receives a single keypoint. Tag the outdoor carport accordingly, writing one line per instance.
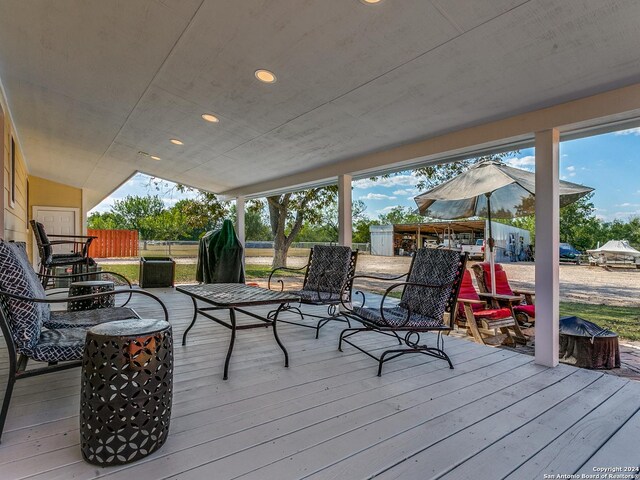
(91, 91)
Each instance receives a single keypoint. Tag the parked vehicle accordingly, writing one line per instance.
(570, 254)
(475, 251)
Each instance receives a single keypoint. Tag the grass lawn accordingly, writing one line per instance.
(625, 321)
(186, 272)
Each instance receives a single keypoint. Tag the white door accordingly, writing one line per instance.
(57, 221)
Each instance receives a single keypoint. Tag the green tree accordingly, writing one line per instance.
(105, 221)
(288, 212)
(204, 212)
(256, 226)
(136, 213)
(361, 232)
(398, 215)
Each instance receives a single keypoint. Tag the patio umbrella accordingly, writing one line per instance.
(490, 189)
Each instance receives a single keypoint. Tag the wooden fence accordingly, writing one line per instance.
(113, 243)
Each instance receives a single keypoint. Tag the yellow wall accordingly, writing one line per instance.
(15, 213)
(53, 194)
(43, 192)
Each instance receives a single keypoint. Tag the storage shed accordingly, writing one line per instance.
(511, 243)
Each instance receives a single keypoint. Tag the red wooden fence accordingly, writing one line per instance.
(113, 243)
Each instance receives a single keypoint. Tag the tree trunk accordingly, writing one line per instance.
(278, 208)
(280, 251)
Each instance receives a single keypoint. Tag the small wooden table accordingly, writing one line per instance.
(235, 297)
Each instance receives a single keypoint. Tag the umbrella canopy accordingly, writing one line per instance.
(490, 188)
(512, 193)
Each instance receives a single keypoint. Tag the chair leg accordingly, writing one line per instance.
(7, 399)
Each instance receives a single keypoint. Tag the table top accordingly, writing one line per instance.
(131, 327)
(236, 294)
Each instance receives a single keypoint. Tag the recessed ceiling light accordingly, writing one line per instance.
(266, 76)
(154, 157)
(210, 118)
(370, 2)
(175, 141)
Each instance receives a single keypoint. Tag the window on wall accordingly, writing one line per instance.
(12, 167)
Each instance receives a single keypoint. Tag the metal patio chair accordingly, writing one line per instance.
(29, 327)
(427, 303)
(326, 272)
(77, 258)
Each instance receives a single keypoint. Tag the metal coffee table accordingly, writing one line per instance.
(236, 297)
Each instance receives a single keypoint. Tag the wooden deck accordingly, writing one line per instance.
(328, 416)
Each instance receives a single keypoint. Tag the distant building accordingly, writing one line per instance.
(511, 243)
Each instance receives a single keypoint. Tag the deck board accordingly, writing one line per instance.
(329, 416)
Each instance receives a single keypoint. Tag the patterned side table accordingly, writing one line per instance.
(92, 286)
(127, 376)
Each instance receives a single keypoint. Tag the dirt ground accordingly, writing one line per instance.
(578, 283)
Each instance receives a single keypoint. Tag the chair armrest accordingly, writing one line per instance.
(525, 292)
(288, 269)
(471, 301)
(529, 295)
(348, 283)
(504, 298)
(89, 297)
(74, 236)
(87, 274)
(64, 242)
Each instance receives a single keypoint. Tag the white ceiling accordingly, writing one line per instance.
(90, 83)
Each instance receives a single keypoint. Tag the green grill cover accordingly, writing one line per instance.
(220, 256)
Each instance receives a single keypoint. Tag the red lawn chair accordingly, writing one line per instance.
(481, 320)
(522, 301)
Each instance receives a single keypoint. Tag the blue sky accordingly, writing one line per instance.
(609, 163)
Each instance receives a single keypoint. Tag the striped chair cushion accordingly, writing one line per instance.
(25, 318)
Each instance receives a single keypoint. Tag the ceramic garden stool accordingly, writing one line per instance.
(86, 288)
(125, 405)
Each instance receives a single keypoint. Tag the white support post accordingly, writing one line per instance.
(547, 255)
(240, 219)
(345, 220)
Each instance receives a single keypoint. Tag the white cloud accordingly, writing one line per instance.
(629, 131)
(527, 162)
(627, 204)
(384, 210)
(377, 196)
(571, 168)
(407, 191)
(404, 179)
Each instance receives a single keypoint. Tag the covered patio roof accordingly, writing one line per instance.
(96, 88)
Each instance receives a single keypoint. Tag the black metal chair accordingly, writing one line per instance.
(326, 272)
(427, 304)
(77, 258)
(28, 326)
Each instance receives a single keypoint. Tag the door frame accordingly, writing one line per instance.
(34, 215)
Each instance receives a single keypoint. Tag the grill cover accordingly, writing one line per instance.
(220, 255)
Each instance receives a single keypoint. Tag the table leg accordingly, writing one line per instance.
(232, 316)
(195, 315)
(275, 334)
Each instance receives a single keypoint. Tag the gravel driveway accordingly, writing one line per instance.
(578, 283)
